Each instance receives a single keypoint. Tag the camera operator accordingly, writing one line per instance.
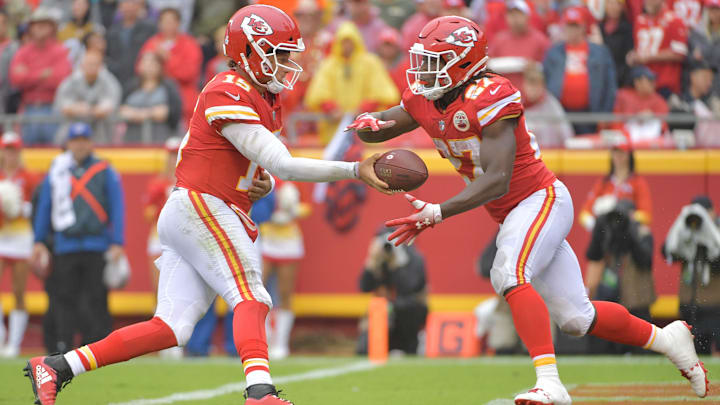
(620, 266)
(397, 273)
(694, 240)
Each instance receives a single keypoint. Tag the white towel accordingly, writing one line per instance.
(63, 215)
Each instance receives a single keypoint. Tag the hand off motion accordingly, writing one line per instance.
(426, 216)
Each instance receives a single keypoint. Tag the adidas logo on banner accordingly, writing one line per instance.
(41, 375)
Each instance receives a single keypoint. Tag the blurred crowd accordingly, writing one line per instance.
(133, 68)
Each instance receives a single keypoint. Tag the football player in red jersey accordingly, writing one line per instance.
(206, 234)
(476, 120)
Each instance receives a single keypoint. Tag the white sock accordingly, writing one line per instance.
(3, 332)
(659, 341)
(75, 363)
(546, 367)
(17, 322)
(284, 320)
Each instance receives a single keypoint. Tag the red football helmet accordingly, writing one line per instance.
(257, 32)
(450, 50)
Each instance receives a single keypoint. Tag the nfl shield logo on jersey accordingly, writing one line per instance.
(441, 125)
(255, 25)
(461, 121)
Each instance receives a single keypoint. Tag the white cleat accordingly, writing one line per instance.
(547, 392)
(682, 355)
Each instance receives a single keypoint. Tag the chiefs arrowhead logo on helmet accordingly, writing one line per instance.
(256, 25)
(462, 37)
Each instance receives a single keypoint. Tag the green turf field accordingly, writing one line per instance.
(353, 381)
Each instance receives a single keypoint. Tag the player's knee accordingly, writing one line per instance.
(500, 275)
(578, 324)
(182, 329)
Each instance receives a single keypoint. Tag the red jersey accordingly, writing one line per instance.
(457, 134)
(207, 161)
(689, 11)
(660, 33)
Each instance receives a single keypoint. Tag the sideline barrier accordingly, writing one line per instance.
(327, 281)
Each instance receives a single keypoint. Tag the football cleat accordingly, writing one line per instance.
(264, 394)
(546, 392)
(48, 375)
(682, 355)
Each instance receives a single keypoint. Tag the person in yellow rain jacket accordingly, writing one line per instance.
(349, 81)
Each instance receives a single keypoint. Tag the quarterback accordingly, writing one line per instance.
(476, 120)
(206, 234)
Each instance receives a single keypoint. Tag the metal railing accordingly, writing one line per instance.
(114, 134)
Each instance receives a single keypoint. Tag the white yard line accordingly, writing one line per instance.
(239, 387)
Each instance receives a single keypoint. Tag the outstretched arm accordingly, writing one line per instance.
(384, 125)
(497, 155)
(258, 144)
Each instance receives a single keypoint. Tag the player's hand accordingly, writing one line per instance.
(366, 173)
(426, 216)
(260, 187)
(367, 120)
(40, 260)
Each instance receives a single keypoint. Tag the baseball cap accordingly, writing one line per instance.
(44, 13)
(389, 35)
(518, 5)
(642, 71)
(10, 140)
(79, 130)
(574, 15)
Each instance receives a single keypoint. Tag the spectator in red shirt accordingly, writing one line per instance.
(426, 11)
(521, 43)
(36, 70)
(622, 183)
(586, 82)
(181, 55)
(661, 44)
(644, 101)
(689, 11)
(497, 20)
(393, 57)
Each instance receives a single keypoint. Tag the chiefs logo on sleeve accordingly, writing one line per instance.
(256, 25)
(462, 37)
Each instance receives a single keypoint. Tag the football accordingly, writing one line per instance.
(401, 169)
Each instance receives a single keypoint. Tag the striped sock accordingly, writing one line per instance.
(545, 366)
(81, 360)
(257, 371)
(251, 342)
